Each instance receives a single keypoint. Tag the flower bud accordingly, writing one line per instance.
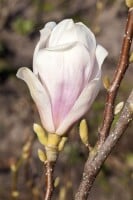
(131, 107)
(42, 155)
(131, 58)
(57, 181)
(41, 134)
(129, 3)
(62, 143)
(66, 74)
(106, 82)
(83, 132)
(15, 194)
(118, 108)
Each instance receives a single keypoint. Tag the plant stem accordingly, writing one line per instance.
(118, 76)
(106, 142)
(94, 163)
(49, 180)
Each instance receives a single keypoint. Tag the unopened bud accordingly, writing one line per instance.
(41, 134)
(63, 192)
(15, 194)
(99, 5)
(25, 155)
(62, 143)
(83, 132)
(129, 3)
(118, 107)
(57, 181)
(13, 167)
(131, 58)
(42, 155)
(106, 82)
(131, 107)
(26, 147)
(35, 192)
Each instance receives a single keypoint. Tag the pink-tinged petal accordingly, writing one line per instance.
(81, 106)
(86, 37)
(44, 36)
(65, 74)
(63, 33)
(101, 54)
(40, 97)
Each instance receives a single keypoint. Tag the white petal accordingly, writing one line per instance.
(65, 74)
(81, 106)
(40, 97)
(50, 25)
(63, 33)
(44, 36)
(101, 54)
(86, 37)
(62, 47)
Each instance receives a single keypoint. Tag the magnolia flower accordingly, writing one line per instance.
(66, 74)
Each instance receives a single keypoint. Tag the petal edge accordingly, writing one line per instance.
(81, 106)
(40, 97)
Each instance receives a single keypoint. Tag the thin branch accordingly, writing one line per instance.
(118, 76)
(94, 163)
(27, 164)
(106, 143)
(15, 167)
(49, 180)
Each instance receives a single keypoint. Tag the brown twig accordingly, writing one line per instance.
(49, 180)
(28, 153)
(15, 167)
(106, 143)
(118, 76)
(94, 163)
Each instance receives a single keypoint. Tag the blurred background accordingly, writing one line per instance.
(20, 22)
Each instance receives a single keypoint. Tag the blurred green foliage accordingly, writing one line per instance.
(3, 65)
(98, 106)
(103, 182)
(23, 26)
(48, 7)
(43, 6)
(73, 154)
(2, 49)
(129, 160)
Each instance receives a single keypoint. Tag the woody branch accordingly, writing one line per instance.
(94, 163)
(118, 76)
(107, 141)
